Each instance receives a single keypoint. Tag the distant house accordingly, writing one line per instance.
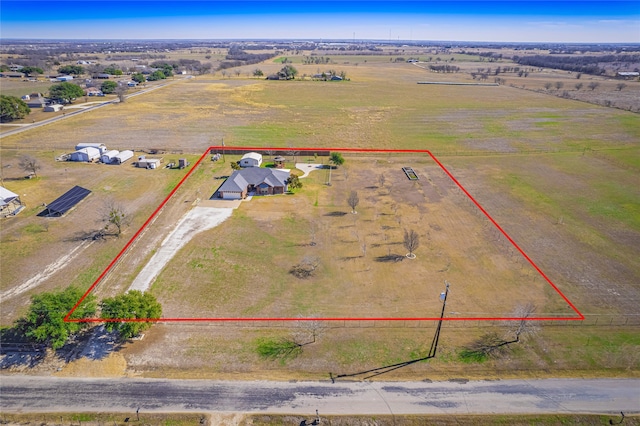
(10, 203)
(64, 78)
(628, 74)
(261, 181)
(102, 76)
(12, 74)
(93, 91)
(87, 155)
(251, 159)
(336, 78)
(132, 84)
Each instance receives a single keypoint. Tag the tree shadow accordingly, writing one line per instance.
(17, 351)
(335, 214)
(390, 258)
(86, 236)
(94, 344)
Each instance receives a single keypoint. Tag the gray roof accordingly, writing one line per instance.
(241, 179)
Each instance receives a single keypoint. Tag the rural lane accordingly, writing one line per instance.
(52, 394)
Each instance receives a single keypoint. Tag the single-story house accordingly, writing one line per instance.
(53, 108)
(87, 155)
(64, 78)
(261, 181)
(628, 74)
(251, 159)
(10, 203)
(36, 100)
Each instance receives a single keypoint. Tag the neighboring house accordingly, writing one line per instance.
(102, 76)
(64, 78)
(93, 91)
(261, 181)
(251, 159)
(86, 155)
(36, 100)
(53, 108)
(628, 74)
(10, 203)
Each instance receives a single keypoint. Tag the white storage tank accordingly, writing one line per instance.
(108, 157)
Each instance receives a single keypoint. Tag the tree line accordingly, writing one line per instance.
(580, 64)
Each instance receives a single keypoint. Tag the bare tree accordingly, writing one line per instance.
(559, 85)
(353, 201)
(30, 164)
(522, 325)
(121, 92)
(548, 85)
(411, 241)
(114, 214)
(578, 86)
(237, 72)
(309, 330)
(620, 86)
(593, 85)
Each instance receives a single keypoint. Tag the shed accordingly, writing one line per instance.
(10, 203)
(53, 108)
(88, 154)
(65, 202)
(279, 161)
(108, 157)
(100, 146)
(122, 157)
(251, 159)
(148, 163)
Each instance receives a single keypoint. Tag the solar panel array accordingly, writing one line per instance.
(65, 202)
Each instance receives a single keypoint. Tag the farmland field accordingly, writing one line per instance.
(560, 176)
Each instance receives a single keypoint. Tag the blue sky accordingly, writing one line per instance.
(512, 20)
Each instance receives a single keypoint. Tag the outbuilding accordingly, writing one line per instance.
(122, 157)
(87, 155)
(108, 156)
(64, 78)
(10, 203)
(148, 163)
(53, 108)
(251, 159)
(99, 146)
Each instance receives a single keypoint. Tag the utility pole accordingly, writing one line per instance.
(436, 337)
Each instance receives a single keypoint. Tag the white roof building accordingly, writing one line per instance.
(251, 159)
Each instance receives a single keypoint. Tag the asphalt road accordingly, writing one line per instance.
(51, 394)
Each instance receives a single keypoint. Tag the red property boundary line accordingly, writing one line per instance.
(111, 265)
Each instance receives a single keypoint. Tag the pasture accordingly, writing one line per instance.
(560, 176)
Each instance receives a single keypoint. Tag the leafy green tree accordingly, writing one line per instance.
(44, 322)
(32, 70)
(112, 70)
(156, 75)
(4, 68)
(71, 69)
(294, 182)
(65, 91)
(235, 165)
(108, 87)
(138, 78)
(336, 159)
(133, 305)
(12, 108)
(258, 72)
(288, 72)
